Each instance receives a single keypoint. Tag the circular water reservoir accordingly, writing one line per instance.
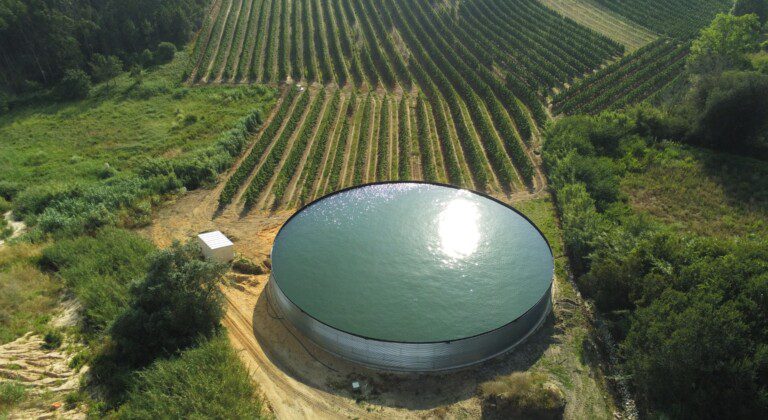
(411, 276)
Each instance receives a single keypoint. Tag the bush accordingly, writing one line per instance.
(524, 395)
(74, 85)
(52, 340)
(9, 189)
(11, 393)
(4, 206)
(165, 52)
(731, 113)
(178, 302)
(206, 382)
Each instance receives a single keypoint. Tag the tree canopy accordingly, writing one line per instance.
(41, 39)
(724, 43)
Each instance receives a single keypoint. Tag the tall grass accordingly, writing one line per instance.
(99, 271)
(205, 382)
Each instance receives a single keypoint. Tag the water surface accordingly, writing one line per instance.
(411, 262)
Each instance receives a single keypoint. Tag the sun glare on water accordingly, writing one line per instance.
(458, 228)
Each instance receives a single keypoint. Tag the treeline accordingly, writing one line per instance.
(41, 39)
(688, 311)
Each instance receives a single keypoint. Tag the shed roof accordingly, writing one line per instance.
(215, 240)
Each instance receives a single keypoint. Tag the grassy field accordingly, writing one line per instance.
(703, 192)
(121, 124)
(604, 21)
(27, 296)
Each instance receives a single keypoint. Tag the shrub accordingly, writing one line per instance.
(74, 85)
(105, 67)
(4, 206)
(525, 395)
(206, 382)
(165, 52)
(9, 189)
(178, 302)
(52, 340)
(11, 393)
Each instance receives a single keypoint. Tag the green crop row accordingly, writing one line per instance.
(404, 141)
(291, 163)
(315, 156)
(267, 169)
(246, 167)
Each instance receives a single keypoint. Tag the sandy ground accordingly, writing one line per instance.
(46, 375)
(18, 227)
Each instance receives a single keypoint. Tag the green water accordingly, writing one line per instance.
(411, 262)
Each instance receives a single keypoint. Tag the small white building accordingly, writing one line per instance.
(216, 247)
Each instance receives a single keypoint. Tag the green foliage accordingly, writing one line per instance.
(730, 113)
(178, 302)
(52, 340)
(11, 394)
(724, 43)
(165, 53)
(27, 296)
(105, 68)
(209, 381)
(41, 38)
(74, 85)
(99, 271)
(688, 311)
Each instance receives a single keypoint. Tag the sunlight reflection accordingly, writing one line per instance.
(458, 228)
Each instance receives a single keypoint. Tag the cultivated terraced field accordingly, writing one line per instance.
(397, 89)
(676, 18)
(604, 21)
(636, 77)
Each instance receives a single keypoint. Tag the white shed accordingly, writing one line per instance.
(216, 247)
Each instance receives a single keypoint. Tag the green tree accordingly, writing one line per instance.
(177, 303)
(730, 113)
(105, 67)
(724, 43)
(165, 52)
(757, 7)
(75, 85)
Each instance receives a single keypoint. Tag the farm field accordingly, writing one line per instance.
(425, 92)
(678, 19)
(638, 76)
(590, 14)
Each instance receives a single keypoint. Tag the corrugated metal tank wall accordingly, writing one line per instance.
(419, 357)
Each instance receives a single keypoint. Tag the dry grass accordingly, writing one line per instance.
(525, 394)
